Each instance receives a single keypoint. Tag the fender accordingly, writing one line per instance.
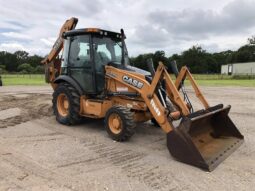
(69, 80)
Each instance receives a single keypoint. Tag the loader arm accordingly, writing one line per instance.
(142, 87)
(149, 95)
(50, 61)
(185, 73)
(148, 92)
(203, 138)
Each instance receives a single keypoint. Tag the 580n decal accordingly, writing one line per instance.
(132, 82)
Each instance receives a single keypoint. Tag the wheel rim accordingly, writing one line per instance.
(115, 123)
(62, 104)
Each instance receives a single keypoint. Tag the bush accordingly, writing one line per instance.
(39, 70)
(243, 77)
(3, 67)
(27, 68)
(24, 72)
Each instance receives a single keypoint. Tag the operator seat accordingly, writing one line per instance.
(101, 59)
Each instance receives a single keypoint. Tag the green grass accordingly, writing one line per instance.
(203, 80)
(20, 79)
(230, 82)
(224, 80)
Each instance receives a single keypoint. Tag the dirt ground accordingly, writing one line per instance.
(37, 153)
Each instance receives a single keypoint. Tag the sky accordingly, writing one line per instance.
(169, 25)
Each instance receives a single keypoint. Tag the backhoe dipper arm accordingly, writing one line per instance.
(58, 45)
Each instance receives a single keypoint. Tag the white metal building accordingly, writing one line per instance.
(239, 69)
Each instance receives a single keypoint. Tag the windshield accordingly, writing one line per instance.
(109, 50)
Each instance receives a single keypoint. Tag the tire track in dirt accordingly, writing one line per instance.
(30, 167)
(134, 164)
(32, 107)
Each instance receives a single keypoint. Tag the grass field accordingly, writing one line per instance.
(20, 79)
(203, 80)
(230, 82)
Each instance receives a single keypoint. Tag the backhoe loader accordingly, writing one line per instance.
(93, 78)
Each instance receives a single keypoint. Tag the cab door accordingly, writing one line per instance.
(102, 56)
(80, 65)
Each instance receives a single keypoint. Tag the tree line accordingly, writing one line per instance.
(20, 61)
(199, 60)
(195, 58)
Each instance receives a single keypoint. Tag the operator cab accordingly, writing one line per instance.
(87, 51)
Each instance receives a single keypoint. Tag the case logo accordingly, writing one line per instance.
(132, 82)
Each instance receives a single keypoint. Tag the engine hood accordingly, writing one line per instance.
(130, 68)
(138, 70)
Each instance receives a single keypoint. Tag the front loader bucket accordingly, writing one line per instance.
(205, 139)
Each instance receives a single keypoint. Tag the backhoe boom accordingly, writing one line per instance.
(58, 45)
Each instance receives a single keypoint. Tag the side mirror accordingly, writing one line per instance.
(174, 68)
(151, 66)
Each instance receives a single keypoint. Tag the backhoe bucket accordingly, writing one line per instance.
(205, 139)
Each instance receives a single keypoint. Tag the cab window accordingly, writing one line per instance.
(79, 55)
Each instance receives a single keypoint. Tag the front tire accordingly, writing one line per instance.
(119, 123)
(66, 104)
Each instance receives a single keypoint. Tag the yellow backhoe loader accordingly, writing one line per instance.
(93, 78)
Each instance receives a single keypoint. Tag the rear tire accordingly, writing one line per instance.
(119, 123)
(66, 104)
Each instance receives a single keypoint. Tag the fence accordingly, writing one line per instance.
(27, 76)
(196, 76)
(221, 77)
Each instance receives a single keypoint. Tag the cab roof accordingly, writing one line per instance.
(97, 31)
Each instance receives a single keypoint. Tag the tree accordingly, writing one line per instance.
(27, 68)
(195, 59)
(2, 67)
(251, 40)
(13, 61)
(34, 60)
(21, 55)
(246, 53)
(140, 61)
(9, 60)
(222, 58)
(39, 69)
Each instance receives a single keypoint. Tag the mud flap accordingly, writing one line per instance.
(206, 139)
